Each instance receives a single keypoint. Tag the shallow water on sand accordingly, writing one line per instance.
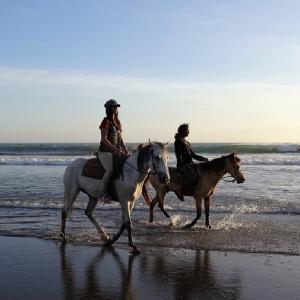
(36, 269)
(259, 215)
(238, 232)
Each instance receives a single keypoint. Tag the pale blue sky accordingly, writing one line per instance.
(229, 68)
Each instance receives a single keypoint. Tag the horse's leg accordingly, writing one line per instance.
(198, 216)
(152, 205)
(69, 198)
(207, 206)
(160, 198)
(135, 249)
(89, 213)
(126, 211)
(63, 224)
(116, 236)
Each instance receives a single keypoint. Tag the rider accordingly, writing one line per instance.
(111, 138)
(111, 128)
(185, 155)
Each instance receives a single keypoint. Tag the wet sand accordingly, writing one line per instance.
(33, 268)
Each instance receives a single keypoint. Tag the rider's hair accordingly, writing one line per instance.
(183, 127)
(113, 117)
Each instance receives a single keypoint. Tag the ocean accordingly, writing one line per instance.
(31, 192)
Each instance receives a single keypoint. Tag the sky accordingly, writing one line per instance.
(231, 69)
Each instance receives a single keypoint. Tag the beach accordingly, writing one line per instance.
(252, 250)
(254, 261)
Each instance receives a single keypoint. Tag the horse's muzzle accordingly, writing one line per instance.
(240, 180)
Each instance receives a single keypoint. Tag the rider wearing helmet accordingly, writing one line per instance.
(111, 129)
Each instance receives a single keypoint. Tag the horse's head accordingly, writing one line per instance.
(155, 156)
(158, 161)
(233, 168)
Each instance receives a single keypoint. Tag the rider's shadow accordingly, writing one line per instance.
(106, 276)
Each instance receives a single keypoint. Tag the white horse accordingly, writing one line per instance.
(151, 157)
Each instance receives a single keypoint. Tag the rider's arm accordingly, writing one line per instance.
(198, 157)
(123, 146)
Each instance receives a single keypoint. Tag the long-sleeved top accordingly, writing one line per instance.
(185, 154)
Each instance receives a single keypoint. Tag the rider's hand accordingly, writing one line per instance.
(125, 151)
(117, 152)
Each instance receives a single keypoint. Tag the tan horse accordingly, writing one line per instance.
(209, 174)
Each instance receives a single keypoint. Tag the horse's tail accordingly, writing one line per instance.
(70, 190)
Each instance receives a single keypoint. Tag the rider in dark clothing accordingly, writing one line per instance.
(185, 155)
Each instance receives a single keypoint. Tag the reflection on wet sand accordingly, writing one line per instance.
(192, 278)
(94, 288)
(115, 274)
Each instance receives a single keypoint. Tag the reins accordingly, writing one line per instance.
(154, 167)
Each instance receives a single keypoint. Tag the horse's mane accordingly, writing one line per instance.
(216, 164)
(144, 152)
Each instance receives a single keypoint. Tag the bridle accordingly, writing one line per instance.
(228, 176)
(153, 170)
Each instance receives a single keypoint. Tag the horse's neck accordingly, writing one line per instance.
(217, 175)
(220, 174)
(139, 175)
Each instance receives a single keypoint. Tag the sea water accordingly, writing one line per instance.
(31, 186)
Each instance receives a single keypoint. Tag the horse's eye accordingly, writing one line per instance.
(157, 158)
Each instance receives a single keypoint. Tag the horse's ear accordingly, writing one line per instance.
(231, 156)
(149, 140)
(167, 144)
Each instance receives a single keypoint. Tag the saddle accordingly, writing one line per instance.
(93, 168)
(104, 162)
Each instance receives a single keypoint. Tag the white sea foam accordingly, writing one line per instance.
(178, 220)
(38, 160)
(266, 159)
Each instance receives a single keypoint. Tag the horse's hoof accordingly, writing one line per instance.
(108, 243)
(136, 251)
(104, 238)
(208, 226)
(188, 226)
(63, 237)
